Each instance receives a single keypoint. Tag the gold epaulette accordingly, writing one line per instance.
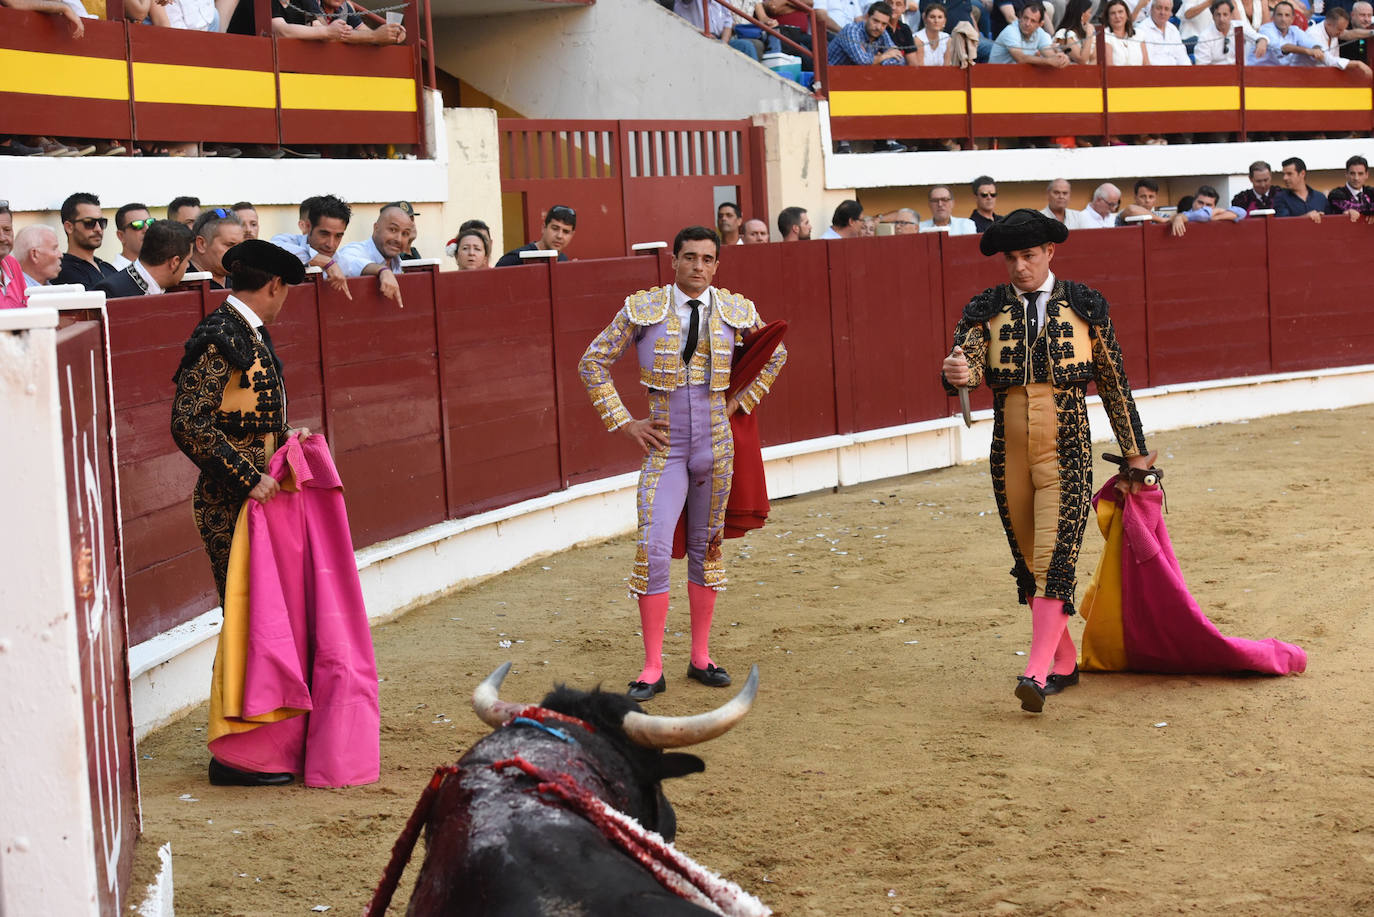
(648, 307)
(736, 310)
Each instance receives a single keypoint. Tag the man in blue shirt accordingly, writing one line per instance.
(1025, 42)
(381, 254)
(1287, 45)
(1204, 210)
(1297, 198)
(867, 42)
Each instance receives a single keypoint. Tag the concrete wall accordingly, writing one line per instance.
(461, 182)
(613, 59)
(795, 163)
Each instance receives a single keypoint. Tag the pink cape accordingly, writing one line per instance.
(1162, 629)
(309, 645)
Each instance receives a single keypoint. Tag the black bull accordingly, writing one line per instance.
(496, 846)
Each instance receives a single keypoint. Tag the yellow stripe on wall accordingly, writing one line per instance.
(1035, 100)
(859, 103)
(326, 92)
(179, 84)
(1175, 98)
(1285, 98)
(69, 75)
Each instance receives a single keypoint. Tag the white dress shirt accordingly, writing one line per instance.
(154, 287)
(119, 262)
(1073, 219)
(684, 314)
(1165, 46)
(1331, 47)
(1091, 219)
(249, 316)
(1045, 288)
(958, 226)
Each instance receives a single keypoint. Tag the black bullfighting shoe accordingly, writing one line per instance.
(713, 676)
(222, 774)
(642, 690)
(1056, 683)
(1030, 694)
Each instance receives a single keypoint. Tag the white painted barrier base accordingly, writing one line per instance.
(171, 671)
(157, 898)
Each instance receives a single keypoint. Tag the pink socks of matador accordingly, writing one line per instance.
(1049, 633)
(653, 614)
(703, 602)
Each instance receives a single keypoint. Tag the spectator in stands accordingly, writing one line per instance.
(942, 217)
(1166, 46)
(933, 45)
(216, 231)
(323, 221)
(728, 222)
(12, 285)
(184, 210)
(56, 8)
(755, 232)
(248, 218)
(904, 222)
(1297, 198)
(471, 250)
(1127, 49)
(1204, 209)
(1101, 210)
(309, 20)
(380, 255)
(1025, 42)
(794, 22)
(481, 227)
(1146, 197)
(1288, 44)
(1352, 198)
(868, 42)
(1076, 35)
(1260, 194)
(1059, 193)
(1356, 38)
(1193, 21)
(84, 225)
(985, 198)
(35, 248)
(131, 222)
(794, 225)
(559, 225)
(900, 33)
(722, 24)
(846, 222)
(1216, 45)
(1328, 35)
(160, 264)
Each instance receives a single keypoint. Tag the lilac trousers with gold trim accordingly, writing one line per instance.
(694, 472)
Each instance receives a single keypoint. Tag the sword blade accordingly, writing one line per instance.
(963, 406)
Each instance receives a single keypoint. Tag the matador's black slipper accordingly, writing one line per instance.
(1030, 694)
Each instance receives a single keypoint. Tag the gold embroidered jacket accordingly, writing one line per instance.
(1078, 345)
(229, 405)
(649, 322)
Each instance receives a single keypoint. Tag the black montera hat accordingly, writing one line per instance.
(1020, 229)
(264, 256)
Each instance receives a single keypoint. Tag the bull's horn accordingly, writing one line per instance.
(487, 703)
(679, 731)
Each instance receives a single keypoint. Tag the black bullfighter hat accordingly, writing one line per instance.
(1024, 228)
(264, 256)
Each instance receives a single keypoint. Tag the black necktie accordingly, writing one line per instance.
(693, 322)
(1032, 316)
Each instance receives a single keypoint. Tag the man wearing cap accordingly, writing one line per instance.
(559, 225)
(1038, 341)
(392, 234)
(684, 336)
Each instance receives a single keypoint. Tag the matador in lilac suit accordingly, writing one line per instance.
(685, 337)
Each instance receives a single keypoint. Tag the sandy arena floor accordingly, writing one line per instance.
(886, 767)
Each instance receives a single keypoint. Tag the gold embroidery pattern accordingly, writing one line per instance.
(722, 472)
(763, 383)
(595, 369)
(649, 307)
(649, 473)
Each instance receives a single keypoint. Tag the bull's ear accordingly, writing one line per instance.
(678, 764)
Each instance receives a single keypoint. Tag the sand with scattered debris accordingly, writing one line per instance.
(886, 767)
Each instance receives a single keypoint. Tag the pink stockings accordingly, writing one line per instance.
(1051, 646)
(653, 614)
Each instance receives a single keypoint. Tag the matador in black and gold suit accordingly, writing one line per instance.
(229, 417)
(1037, 342)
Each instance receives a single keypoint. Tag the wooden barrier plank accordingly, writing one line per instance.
(149, 484)
(1328, 294)
(170, 593)
(392, 488)
(1193, 336)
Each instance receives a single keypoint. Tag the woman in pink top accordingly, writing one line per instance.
(12, 292)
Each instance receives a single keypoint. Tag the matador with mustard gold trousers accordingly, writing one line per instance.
(694, 470)
(1041, 459)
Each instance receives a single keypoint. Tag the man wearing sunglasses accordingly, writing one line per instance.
(131, 223)
(985, 194)
(559, 225)
(85, 227)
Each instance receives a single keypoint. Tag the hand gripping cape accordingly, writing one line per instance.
(1139, 614)
(747, 508)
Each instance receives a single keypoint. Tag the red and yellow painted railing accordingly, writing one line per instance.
(137, 82)
(1014, 100)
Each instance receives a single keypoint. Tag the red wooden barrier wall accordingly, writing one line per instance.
(468, 398)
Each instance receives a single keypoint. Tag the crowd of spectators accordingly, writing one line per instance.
(315, 20)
